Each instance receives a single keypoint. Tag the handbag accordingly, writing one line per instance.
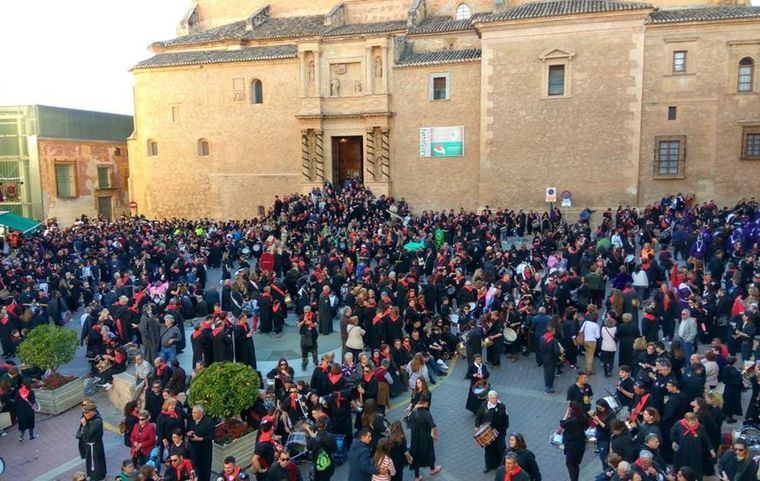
(580, 338)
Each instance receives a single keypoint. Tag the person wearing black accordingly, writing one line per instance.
(732, 392)
(603, 417)
(423, 435)
(323, 447)
(675, 407)
(307, 328)
(621, 442)
(200, 341)
(200, 433)
(154, 400)
(221, 344)
(525, 457)
(548, 354)
(477, 373)
(573, 437)
(692, 445)
(339, 407)
(737, 464)
(90, 436)
(242, 336)
(495, 334)
(581, 392)
(624, 387)
(494, 412)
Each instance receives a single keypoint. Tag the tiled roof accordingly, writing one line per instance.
(441, 24)
(443, 56)
(555, 8)
(703, 14)
(202, 57)
(366, 28)
(231, 31)
(287, 27)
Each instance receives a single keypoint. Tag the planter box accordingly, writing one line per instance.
(59, 400)
(241, 448)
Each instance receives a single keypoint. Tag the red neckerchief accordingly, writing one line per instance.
(186, 465)
(244, 324)
(367, 377)
(293, 400)
(217, 330)
(266, 436)
(509, 474)
(307, 319)
(394, 319)
(335, 378)
(197, 333)
(279, 291)
(4, 320)
(548, 337)
(276, 305)
(377, 319)
(172, 414)
(24, 391)
(232, 477)
(205, 325)
(639, 407)
(689, 430)
(160, 369)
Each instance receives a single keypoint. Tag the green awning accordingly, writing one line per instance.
(24, 225)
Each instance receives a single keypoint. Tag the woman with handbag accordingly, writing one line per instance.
(26, 406)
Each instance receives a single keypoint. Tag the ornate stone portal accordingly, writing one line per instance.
(313, 155)
(378, 157)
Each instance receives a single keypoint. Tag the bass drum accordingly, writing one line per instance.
(510, 335)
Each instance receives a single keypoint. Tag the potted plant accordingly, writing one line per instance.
(225, 389)
(48, 348)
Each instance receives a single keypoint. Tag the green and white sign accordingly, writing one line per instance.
(441, 141)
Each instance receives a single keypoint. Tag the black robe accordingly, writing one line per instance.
(732, 393)
(691, 448)
(202, 346)
(202, 449)
(25, 411)
(473, 402)
(243, 345)
(221, 346)
(421, 446)
(91, 448)
(325, 315)
(498, 418)
(265, 314)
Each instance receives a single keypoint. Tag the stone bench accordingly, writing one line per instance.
(124, 389)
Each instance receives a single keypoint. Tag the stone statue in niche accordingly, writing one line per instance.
(311, 71)
(334, 87)
(358, 87)
(378, 67)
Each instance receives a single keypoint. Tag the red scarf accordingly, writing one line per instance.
(172, 414)
(548, 337)
(376, 320)
(293, 400)
(217, 331)
(160, 369)
(197, 333)
(639, 407)
(367, 377)
(24, 391)
(244, 324)
(4, 320)
(307, 319)
(509, 474)
(689, 430)
(335, 378)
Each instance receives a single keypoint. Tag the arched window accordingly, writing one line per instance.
(746, 75)
(202, 147)
(463, 12)
(152, 148)
(257, 92)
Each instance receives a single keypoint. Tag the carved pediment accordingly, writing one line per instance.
(555, 54)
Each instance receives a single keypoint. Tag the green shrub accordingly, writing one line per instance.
(48, 347)
(224, 389)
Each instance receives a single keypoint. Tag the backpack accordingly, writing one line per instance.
(580, 338)
(323, 461)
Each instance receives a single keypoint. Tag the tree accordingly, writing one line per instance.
(225, 389)
(48, 347)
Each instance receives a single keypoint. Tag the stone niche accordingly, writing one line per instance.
(346, 79)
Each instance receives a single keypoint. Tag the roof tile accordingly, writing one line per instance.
(438, 57)
(556, 8)
(198, 57)
(365, 28)
(703, 14)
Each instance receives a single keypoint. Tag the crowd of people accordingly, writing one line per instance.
(667, 293)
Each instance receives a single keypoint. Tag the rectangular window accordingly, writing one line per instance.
(745, 78)
(65, 180)
(104, 177)
(751, 143)
(679, 61)
(175, 113)
(439, 87)
(670, 155)
(117, 152)
(672, 113)
(556, 80)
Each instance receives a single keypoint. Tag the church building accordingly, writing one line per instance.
(448, 103)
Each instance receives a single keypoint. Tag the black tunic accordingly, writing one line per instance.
(25, 411)
(421, 447)
(91, 448)
(473, 402)
(221, 346)
(691, 448)
(202, 346)
(243, 345)
(202, 449)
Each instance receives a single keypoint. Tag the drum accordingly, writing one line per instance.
(487, 342)
(256, 247)
(485, 435)
(480, 389)
(451, 290)
(612, 403)
(461, 349)
(340, 453)
(510, 335)
(296, 443)
(245, 251)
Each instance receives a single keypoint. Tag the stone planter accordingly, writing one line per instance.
(59, 400)
(241, 448)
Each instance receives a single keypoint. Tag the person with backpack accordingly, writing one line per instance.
(323, 447)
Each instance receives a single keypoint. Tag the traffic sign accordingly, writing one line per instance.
(551, 194)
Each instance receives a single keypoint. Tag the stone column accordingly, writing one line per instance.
(371, 159)
(386, 70)
(304, 71)
(317, 73)
(385, 167)
(319, 155)
(305, 155)
(369, 61)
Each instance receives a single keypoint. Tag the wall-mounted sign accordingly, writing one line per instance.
(551, 194)
(442, 141)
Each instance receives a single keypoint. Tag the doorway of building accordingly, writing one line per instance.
(105, 206)
(347, 157)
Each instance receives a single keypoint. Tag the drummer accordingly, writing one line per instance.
(493, 413)
(478, 375)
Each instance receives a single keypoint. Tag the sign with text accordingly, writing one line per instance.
(442, 141)
(551, 194)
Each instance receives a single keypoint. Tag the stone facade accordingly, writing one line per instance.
(86, 158)
(250, 100)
